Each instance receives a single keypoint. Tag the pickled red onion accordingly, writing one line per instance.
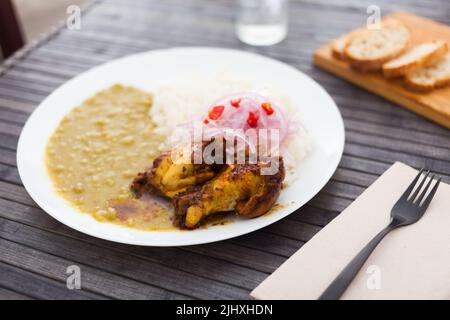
(250, 103)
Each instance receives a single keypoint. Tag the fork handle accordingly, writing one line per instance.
(338, 286)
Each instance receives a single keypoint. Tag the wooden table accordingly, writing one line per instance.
(35, 250)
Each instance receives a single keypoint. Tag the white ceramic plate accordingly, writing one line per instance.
(321, 118)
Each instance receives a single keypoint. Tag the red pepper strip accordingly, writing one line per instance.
(267, 107)
(252, 119)
(216, 112)
(235, 103)
(205, 121)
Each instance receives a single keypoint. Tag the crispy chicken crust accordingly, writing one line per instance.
(239, 187)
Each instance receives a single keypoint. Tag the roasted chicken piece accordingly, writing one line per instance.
(168, 178)
(238, 187)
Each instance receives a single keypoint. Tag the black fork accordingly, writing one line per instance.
(409, 209)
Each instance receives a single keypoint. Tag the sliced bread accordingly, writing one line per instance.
(415, 58)
(369, 49)
(435, 75)
(338, 46)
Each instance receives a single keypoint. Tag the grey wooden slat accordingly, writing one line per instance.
(269, 243)
(15, 193)
(24, 255)
(16, 105)
(10, 129)
(37, 286)
(92, 52)
(36, 88)
(326, 202)
(32, 77)
(417, 125)
(249, 258)
(6, 294)
(392, 144)
(8, 141)
(27, 97)
(45, 70)
(361, 179)
(390, 156)
(69, 64)
(15, 117)
(9, 174)
(344, 190)
(355, 97)
(421, 139)
(314, 215)
(294, 229)
(7, 157)
(86, 55)
(363, 165)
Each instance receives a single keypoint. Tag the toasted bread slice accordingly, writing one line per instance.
(338, 46)
(369, 49)
(429, 77)
(419, 56)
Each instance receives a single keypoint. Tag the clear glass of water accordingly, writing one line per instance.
(262, 22)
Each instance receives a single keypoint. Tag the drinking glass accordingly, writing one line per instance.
(261, 22)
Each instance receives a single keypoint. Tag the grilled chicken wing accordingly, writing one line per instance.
(168, 178)
(238, 187)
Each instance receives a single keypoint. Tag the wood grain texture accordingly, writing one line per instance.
(35, 249)
(434, 105)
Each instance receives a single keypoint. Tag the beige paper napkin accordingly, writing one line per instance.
(412, 262)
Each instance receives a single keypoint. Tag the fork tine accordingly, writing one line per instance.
(425, 190)
(416, 192)
(427, 201)
(411, 186)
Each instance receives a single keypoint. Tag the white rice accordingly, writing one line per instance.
(187, 99)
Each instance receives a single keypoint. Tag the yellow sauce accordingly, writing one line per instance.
(96, 151)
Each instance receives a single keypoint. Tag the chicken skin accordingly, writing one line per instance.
(168, 178)
(238, 187)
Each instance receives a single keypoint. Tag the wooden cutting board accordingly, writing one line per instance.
(434, 105)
